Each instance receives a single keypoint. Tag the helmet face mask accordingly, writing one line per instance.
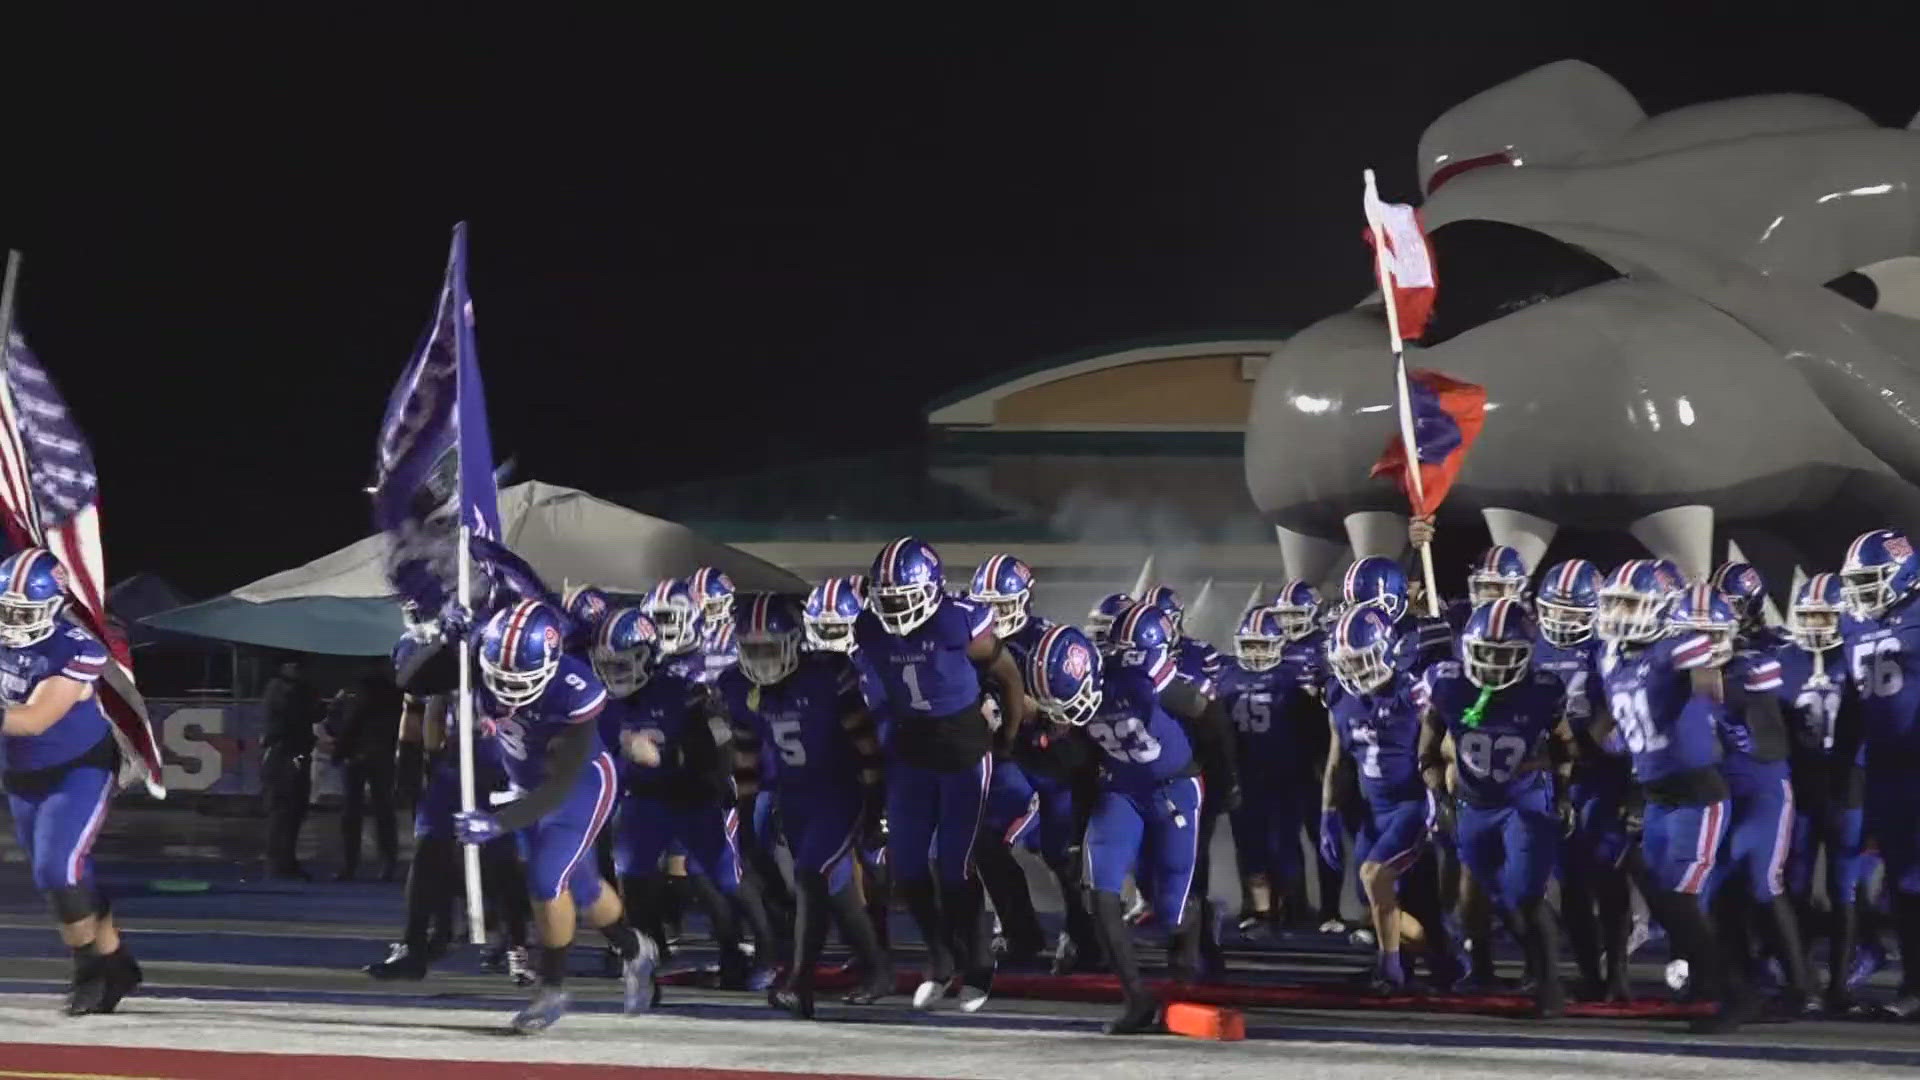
(1484, 587)
(1296, 622)
(1259, 652)
(1814, 626)
(1495, 665)
(1868, 589)
(1565, 625)
(717, 611)
(516, 689)
(1628, 615)
(901, 609)
(830, 633)
(1009, 612)
(1362, 670)
(25, 622)
(674, 617)
(624, 671)
(769, 658)
(1077, 710)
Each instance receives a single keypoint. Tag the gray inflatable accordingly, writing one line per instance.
(1710, 314)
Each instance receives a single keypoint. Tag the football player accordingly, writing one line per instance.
(1302, 615)
(1595, 897)
(832, 608)
(549, 741)
(61, 768)
(1881, 639)
(1018, 813)
(1828, 772)
(713, 590)
(431, 693)
(1194, 661)
(1272, 700)
(1514, 755)
(1147, 810)
(675, 613)
(1100, 617)
(1376, 725)
(930, 652)
(1419, 639)
(1755, 744)
(1663, 695)
(677, 790)
(808, 709)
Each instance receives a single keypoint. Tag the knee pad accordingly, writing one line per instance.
(72, 903)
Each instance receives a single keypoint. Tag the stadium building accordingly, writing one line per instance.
(1082, 464)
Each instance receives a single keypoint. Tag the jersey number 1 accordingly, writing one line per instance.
(915, 699)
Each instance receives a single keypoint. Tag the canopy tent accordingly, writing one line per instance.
(341, 603)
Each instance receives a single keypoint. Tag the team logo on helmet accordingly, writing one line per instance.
(1899, 547)
(552, 637)
(1078, 662)
(60, 575)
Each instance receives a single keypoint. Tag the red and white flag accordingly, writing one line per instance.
(50, 495)
(1403, 263)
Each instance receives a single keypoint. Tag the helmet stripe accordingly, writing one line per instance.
(1853, 550)
(22, 568)
(1351, 582)
(1497, 618)
(892, 552)
(516, 627)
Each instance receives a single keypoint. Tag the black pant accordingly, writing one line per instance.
(360, 776)
(288, 788)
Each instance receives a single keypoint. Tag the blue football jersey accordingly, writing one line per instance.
(573, 696)
(719, 652)
(1814, 702)
(69, 653)
(1883, 661)
(666, 710)
(1142, 746)
(1750, 674)
(1381, 732)
(1667, 727)
(690, 665)
(1578, 669)
(1512, 731)
(799, 720)
(1197, 664)
(1272, 713)
(926, 673)
(1308, 655)
(1421, 640)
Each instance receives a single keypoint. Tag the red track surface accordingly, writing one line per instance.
(27, 1061)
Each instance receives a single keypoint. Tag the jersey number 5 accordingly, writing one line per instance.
(786, 735)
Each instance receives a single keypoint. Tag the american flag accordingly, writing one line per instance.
(50, 494)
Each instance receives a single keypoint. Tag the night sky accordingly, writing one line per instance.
(703, 236)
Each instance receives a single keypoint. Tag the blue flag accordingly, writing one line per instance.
(434, 461)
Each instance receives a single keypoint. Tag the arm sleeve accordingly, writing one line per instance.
(572, 747)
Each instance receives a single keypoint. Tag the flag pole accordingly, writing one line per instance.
(6, 298)
(1409, 448)
(476, 916)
